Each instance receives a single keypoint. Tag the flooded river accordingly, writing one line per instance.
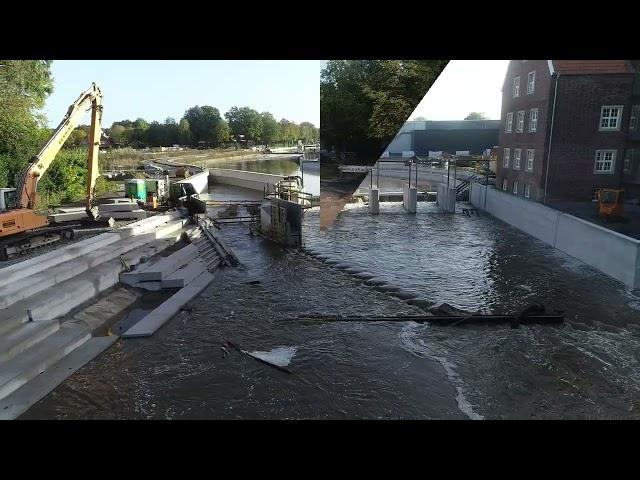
(586, 368)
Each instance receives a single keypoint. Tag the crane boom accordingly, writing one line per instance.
(27, 185)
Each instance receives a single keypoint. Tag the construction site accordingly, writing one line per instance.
(70, 280)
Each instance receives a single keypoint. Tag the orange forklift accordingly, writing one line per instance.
(610, 204)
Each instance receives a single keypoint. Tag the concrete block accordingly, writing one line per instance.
(107, 201)
(24, 336)
(185, 275)
(128, 215)
(165, 311)
(36, 359)
(67, 217)
(164, 267)
(18, 402)
(33, 265)
(118, 207)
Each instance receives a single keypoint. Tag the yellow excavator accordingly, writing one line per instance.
(21, 228)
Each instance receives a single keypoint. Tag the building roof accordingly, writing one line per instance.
(590, 67)
(413, 125)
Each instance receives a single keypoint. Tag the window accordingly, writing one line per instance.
(530, 155)
(515, 188)
(633, 120)
(596, 194)
(527, 190)
(509, 122)
(610, 117)
(531, 82)
(516, 87)
(505, 159)
(505, 184)
(605, 161)
(533, 120)
(516, 158)
(520, 124)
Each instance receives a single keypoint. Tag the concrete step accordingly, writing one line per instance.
(36, 359)
(39, 263)
(56, 302)
(24, 336)
(185, 275)
(33, 265)
(24, 288)
(18, 402)
(126, 215)
(161, 269)
(165, 311)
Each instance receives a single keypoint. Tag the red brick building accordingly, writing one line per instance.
(569, 127)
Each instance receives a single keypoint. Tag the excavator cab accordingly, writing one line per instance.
(8, 198)
(610, 203)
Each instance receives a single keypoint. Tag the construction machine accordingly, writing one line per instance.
(610, 204)
(21, 228)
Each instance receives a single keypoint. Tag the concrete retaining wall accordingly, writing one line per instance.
(200, 181)
(240, 178)
(610, 252)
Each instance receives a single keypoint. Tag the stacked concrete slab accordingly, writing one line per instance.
(121, 210)
(36, 293)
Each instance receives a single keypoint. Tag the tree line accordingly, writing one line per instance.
(204, 126)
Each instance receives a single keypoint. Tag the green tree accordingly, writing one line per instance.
(76, 138)
(115, 133)
(203, 122)
(24, 87)
(184, 132)
(270, 128)
(223, 132)
(245, 121)
(476, 116)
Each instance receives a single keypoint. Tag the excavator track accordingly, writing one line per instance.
(29, 241)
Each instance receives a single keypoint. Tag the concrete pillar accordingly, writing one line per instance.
(446, 198)
(374, 201)
(409, 198)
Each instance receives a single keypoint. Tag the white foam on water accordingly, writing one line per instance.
(280, 356)
(409, 336)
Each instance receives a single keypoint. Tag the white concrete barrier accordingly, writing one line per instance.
(240, 178)
(446, 200)
(610, 252)
(200, 181)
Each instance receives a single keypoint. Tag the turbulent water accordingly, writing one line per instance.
(586, 368)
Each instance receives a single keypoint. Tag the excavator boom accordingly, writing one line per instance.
(28, 182)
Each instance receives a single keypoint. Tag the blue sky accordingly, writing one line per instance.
(155, 90)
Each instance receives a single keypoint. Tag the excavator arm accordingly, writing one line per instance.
(28, 183)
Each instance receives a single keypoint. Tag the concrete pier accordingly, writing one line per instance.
(409, 198)
(374, 201)
(446, 198)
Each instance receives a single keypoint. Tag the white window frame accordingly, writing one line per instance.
(633, 119)
(519, 124)
(601, 153)
(517, 153)
(506, 157)
(531, 153)
(533, 122)
(514, 188)
(516, 87)
(531, 82)
(609, 118)
(509, 122)
(505, 184)
(527, 190)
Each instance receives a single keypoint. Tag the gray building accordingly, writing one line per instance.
(449, 136)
